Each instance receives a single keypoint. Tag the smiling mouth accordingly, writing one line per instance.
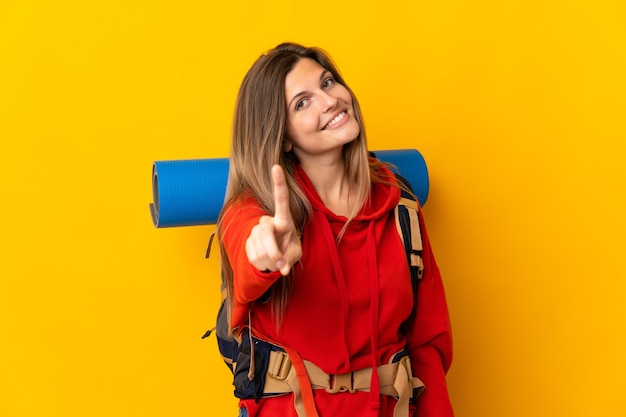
(335, 120)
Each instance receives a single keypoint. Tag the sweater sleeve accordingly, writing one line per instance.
(430, 338)
(249, 282)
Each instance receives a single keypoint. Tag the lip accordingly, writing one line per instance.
(339, 123)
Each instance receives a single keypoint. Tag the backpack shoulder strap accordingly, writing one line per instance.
(408, 225)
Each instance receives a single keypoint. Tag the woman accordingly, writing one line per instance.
(313, 263)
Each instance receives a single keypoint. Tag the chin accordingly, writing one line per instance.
(352, 136)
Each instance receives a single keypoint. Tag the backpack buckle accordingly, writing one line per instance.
(278, 365)
(341, 383)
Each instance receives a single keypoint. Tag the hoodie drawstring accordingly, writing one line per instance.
(374, 311)
(331, 243)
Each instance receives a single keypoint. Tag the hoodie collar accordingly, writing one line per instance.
(383, 197)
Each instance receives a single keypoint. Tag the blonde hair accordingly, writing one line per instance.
(258, 135)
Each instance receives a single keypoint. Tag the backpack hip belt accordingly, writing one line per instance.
(396, 380)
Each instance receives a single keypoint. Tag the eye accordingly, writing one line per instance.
(328, 82)
(301, 104)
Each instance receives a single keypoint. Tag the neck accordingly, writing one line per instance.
(331, 184)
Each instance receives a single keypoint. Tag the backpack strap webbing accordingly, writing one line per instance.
(304, 401)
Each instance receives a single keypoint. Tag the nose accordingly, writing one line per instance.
(327, 101)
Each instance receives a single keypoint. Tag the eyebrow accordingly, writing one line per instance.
(301, 93)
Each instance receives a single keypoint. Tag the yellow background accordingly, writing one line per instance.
(517, 106)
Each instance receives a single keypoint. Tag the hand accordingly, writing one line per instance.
(274, 243)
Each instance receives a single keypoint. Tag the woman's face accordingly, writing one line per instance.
(320, 116)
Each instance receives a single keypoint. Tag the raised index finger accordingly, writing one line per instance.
(282, 214)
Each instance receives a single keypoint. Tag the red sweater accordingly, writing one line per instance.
(350, 303)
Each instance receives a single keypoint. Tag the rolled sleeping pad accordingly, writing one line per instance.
(191, 192)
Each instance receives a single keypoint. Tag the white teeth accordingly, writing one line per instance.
(335, 120)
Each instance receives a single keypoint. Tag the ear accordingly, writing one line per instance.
(287, 146)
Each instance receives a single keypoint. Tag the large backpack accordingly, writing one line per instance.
(236, 352)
